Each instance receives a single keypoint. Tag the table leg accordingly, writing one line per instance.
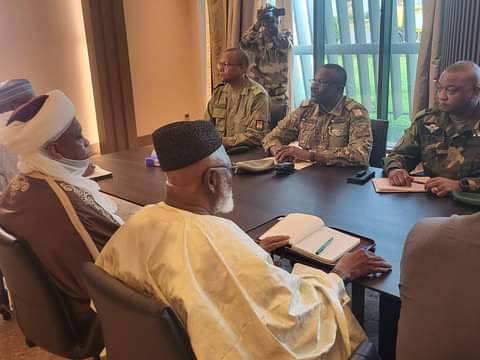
(387, 332)
(358, 302)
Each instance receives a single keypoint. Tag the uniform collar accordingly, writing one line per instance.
(244, 91)
(337, 109)
(474, 125)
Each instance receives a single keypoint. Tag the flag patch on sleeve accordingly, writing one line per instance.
(357, 112)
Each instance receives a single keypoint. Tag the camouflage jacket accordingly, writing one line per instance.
(241, 118)
(443, 150)
(269, 59)
(343, 135)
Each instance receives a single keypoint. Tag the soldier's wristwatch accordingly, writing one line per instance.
(312, 156)
(464, 185)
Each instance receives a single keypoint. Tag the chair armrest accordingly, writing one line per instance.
(365, 351)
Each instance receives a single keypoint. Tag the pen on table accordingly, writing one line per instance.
(324, 246)
(419, 182)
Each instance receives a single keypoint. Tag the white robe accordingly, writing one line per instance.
(8, 160)
(234, 303)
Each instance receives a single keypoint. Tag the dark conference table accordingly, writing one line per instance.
(318, 190)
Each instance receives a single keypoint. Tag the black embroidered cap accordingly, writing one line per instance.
(183, 143)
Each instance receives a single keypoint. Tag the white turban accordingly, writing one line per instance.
(27, 140)
(55, 116)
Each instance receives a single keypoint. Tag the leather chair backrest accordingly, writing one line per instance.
(135, 326)
(278, 112)
(379, 148)
(40, 312)
(365, 351)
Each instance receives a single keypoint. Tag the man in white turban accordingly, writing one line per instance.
(61, 214)
(13, 93)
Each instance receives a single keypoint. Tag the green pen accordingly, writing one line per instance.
(324, 246)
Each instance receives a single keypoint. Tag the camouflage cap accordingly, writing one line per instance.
(255, 166)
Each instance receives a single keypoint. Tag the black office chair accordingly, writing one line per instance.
(123, 312)
(277, 113)
(379, 148)
(40, 308)
(365, 351)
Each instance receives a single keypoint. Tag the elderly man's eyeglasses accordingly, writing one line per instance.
(323, 83)
(223, 64)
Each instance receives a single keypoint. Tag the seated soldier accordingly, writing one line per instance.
(49, 204)
(330, 128)
(444, 139)
(13, 93)
(239, 107)
(232, 300)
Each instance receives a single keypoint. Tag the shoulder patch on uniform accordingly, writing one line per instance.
(259, 125)
(351, 104)
(423, 113)
(256, 90)
(358, 112)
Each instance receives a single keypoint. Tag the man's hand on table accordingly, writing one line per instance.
(294, 152)
(276, 148)
(399, 177)
(360, 263)
(271, 243)
(441, 186)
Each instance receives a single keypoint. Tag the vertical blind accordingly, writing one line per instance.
(461, 32)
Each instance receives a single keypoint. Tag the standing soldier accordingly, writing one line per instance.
(268, 49)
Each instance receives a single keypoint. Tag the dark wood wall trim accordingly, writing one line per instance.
(110, 68)
(145, 140)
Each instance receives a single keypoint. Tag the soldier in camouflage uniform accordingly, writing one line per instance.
(330, 128)
(267, 48)
(446, 138)
(239, 107)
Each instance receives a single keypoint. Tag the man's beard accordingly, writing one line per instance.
(224, 204)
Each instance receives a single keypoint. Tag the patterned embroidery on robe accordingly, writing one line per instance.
(19, 183)
(87, 199)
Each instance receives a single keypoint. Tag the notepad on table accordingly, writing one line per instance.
(99, 173)
(382, 185)
(311, 237)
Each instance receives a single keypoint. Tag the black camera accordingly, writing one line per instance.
(269, 13)
(284, 168)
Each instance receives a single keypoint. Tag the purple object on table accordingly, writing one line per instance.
(149, 161)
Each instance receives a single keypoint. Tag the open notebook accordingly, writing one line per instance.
(382, 185)
(310, 236)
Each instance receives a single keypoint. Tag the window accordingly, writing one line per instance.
(352, 38)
